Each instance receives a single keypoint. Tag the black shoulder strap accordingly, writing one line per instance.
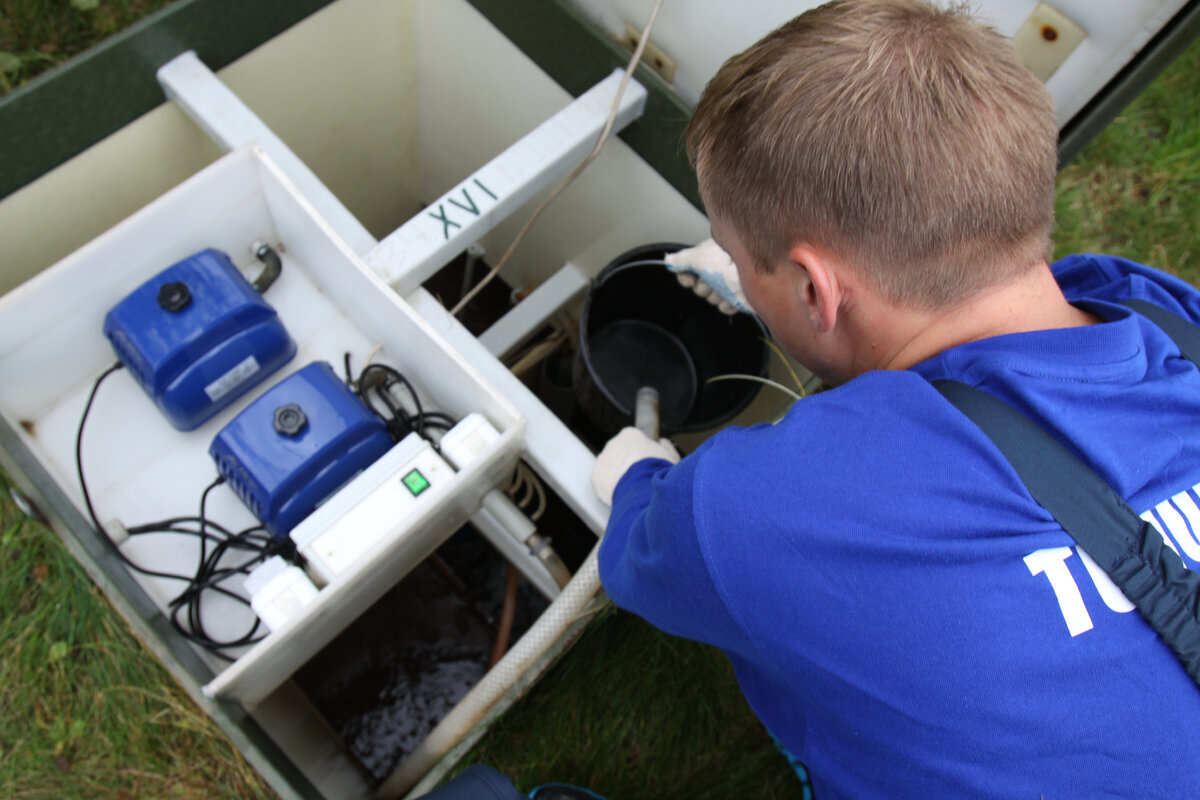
(1127, 548)
(1185, 335)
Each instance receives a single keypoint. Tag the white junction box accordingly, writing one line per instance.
(370, 512)
(278, 591)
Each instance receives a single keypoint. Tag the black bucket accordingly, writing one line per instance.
(639, 327)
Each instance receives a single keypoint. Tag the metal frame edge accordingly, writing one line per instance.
(1131, 81)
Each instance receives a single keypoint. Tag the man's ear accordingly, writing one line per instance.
(817, 283)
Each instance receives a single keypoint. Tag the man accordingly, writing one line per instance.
(899, 611)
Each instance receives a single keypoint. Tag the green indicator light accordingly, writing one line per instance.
(415, 482)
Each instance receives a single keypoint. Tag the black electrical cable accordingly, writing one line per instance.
(162, 525)
(87, 407)
(209, 574)
(208, 577)
(377, 380)
(87, 498)
(204, 522)
(382, 389)
(394, 409)
(437, 419)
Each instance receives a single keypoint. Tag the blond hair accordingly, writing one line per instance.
(909, 139)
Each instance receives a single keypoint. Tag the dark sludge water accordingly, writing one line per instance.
(391, 676)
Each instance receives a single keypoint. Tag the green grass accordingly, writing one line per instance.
(86, 712)
(36, 35)
(1135, 190)
(633, 713)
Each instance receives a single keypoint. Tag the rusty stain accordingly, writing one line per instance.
(1049, 33)
(29, 427)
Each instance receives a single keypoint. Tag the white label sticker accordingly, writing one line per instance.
(231, 379)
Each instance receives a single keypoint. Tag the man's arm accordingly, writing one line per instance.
(650, 560)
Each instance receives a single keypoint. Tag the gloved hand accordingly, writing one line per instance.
(709, 272)
(623, 451)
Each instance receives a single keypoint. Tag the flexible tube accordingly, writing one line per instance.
(580, 167)
(569, 604)
(540, 546)
(504, 634)
(565, 609)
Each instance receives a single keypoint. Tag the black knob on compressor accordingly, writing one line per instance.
(174, 296)
(290, 420)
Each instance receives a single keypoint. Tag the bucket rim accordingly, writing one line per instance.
(638, 258)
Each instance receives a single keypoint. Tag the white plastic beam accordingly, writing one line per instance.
(431, 239)
(524, 319)
(551, 448)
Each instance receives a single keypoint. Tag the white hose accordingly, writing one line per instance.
(565, 609)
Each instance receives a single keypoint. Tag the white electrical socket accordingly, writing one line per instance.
(277, 591)
(469, 441)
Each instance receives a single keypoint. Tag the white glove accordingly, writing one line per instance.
(623, 451)
(709, 272)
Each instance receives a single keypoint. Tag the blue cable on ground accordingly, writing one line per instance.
(800, 770)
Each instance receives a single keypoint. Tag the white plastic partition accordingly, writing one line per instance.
(550, 447)
(427, 242)
(139, 468)
(411, 254)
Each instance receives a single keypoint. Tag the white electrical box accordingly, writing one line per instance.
(278, 591)
(373, 510)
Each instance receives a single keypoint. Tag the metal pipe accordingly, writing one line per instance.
(272, 266)
(645, 416)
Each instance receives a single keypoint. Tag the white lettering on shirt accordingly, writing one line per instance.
(1052, 562)
(1178, 528)
(1180, 518)
(1191, 515)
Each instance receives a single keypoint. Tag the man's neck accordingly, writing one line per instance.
(898, 338)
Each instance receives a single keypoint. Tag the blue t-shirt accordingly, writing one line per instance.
(899, 611)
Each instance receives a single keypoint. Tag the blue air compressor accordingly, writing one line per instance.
(296, 445)
(198, 335)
